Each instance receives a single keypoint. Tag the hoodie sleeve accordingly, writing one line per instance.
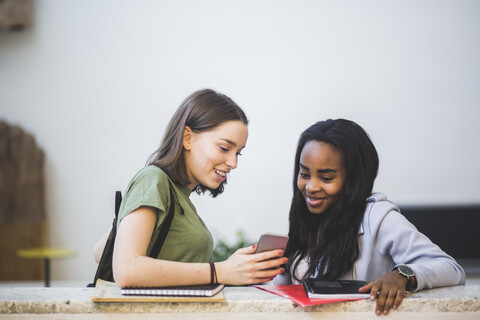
(395, 236)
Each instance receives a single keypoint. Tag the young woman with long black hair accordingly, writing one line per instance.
(339, 229)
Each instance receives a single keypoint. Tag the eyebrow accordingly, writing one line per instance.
(328, 170)
(229, 142)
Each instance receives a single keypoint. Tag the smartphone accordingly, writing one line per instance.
(271, 241)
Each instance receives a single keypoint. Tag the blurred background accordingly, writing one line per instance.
(96, 82)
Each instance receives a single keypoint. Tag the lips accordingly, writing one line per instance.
(315, 201)
(222, 175)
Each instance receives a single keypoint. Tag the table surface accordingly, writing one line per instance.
(18, 300)
(45, 253)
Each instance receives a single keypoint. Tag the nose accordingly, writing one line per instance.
(313, 185)
(232, 160)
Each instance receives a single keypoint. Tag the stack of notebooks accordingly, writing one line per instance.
(106, 291)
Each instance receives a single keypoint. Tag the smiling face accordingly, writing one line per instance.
(211, 154)
(321, 176)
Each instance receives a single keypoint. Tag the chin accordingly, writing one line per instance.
(212, 185)
(315, 211)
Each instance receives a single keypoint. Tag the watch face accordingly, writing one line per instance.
(406, 270)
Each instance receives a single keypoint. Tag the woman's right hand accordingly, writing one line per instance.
(247, 267)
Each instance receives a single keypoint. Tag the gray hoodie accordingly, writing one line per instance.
(386, 238)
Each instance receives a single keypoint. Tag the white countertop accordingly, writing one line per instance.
(18, 300)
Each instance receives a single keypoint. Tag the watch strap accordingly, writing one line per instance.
(411, 279)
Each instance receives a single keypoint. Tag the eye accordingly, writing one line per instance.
(303, 175)
(239, 154)
(223, 149)
(327, 179)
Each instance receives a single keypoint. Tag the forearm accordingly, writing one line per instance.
(432, 266)
(146, 271)
(98, 250)
(440, 272)
(243, 267)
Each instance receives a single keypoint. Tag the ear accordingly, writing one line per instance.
(187, 138)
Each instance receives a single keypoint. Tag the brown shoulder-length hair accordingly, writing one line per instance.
(201, 111)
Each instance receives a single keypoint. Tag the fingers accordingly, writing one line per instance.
(385, 301)
(244, 267)
(253, 276)
(388, 299)
(399, 298)
(389, 291)
(271, 263)
(262, 255)
(273, 257)
(366, 287)
(266, 275)
(374, 290)
(248, 250)
(269, 255)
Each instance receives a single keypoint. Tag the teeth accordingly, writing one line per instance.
(220, 173)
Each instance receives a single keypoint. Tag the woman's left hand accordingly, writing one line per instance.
(389, 291)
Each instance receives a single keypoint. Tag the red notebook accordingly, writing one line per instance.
(296, 293)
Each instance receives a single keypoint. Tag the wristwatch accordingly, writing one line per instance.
(408, 273)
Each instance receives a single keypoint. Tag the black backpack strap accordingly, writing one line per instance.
(166, 224)
(104, 268)
(118, 201)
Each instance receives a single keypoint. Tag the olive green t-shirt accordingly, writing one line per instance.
(188, 239)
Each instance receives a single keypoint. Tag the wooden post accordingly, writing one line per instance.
(22, 203)
(15, 14)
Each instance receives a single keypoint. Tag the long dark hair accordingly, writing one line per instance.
(201, 111)
(330, 240)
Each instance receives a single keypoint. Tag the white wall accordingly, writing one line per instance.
(97, 82)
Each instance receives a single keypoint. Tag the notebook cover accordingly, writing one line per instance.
(297, 294)
(106, 291)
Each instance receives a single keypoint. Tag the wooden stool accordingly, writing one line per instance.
(47, 254)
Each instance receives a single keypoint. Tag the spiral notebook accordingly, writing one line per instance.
(178, 291)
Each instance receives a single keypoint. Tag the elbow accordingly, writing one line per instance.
(124, 274)
(122, 278)
(459, 272)
(123, 281)
(461, 276)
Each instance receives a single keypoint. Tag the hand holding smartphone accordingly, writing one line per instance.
(272, 241)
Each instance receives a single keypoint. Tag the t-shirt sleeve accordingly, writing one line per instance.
(150, 187)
